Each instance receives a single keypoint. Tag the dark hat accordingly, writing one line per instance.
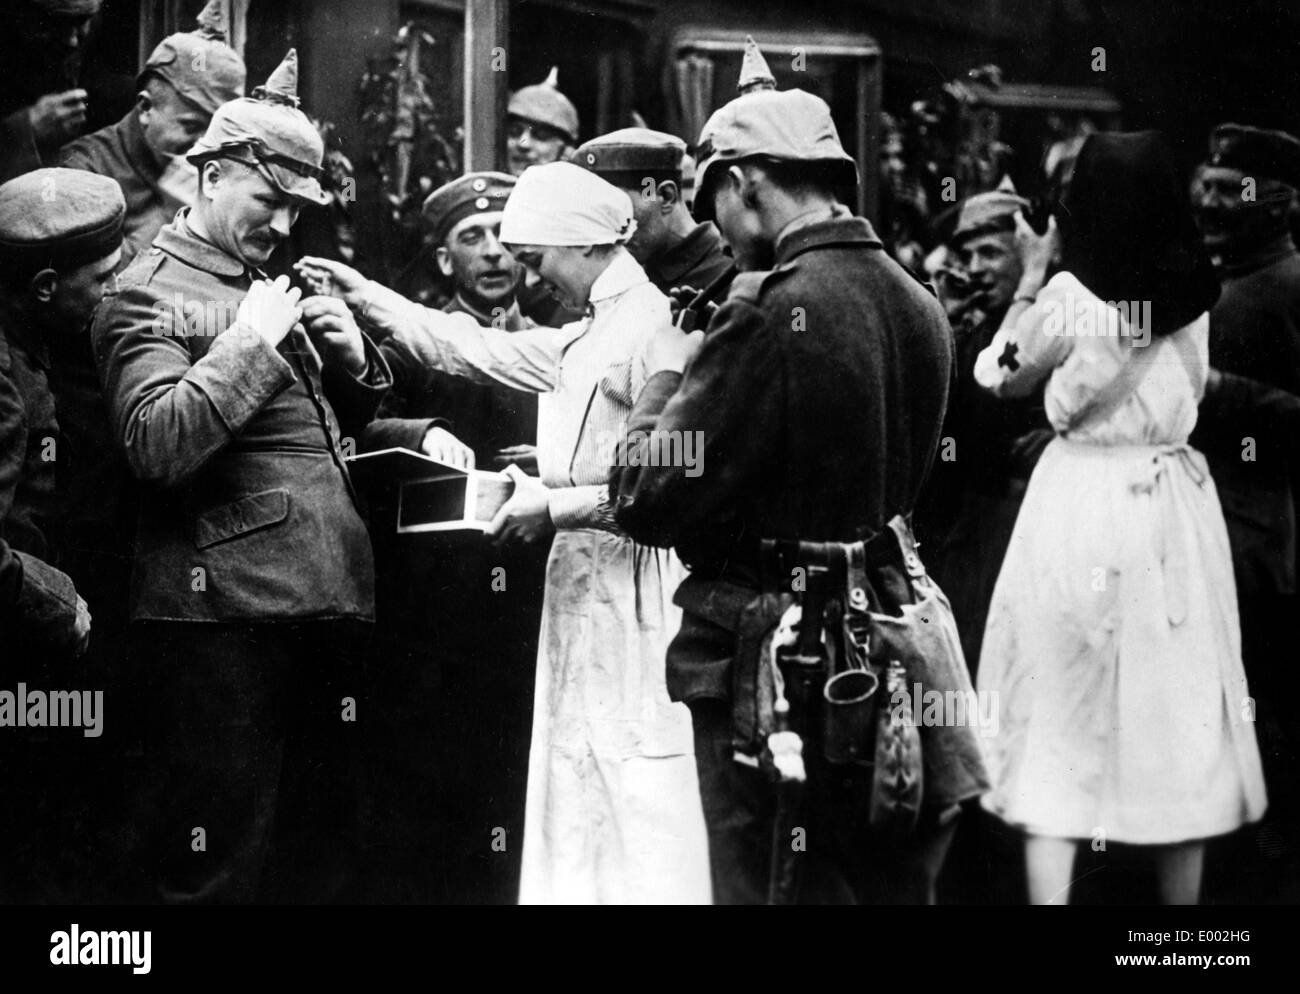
(199, 64)
(1127, 231)
(1261, 153)
(627, 156)
(543, 103)
(65, 217)
(473, 193)
(789, 125)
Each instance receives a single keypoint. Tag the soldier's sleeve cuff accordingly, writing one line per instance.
(240, 374)
(47, 603)
(399, 433)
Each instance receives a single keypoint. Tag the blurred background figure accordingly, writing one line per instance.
(41, 104)
(186, 78)
(541, 125)
(1245, 200)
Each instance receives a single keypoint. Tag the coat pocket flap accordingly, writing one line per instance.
(240, 517)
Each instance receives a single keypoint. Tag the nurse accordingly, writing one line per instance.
(613, 811)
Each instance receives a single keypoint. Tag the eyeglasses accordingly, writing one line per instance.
(518, 129)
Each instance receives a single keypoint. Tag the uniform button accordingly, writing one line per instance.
(479, 185)
(482, 203)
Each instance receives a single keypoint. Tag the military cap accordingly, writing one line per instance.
(1261, 153)
(625, 157)
(473, 193)
(268, 132)
(789, 125)
(198, 64)
(988, 212)
(543, 103)
(51, 217)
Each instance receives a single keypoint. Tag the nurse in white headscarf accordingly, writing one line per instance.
(613, 812)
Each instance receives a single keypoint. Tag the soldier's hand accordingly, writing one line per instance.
(271, 308)
(58, 117)
(672, 349)
(81, 628)
(680, 297)
(328, 278)
(442, 445)
(335, 333)
(523, 456)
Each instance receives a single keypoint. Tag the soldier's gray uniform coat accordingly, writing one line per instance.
(238, 445)
(38, 604)
(120, 153)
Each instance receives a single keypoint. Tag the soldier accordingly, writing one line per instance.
(647, 165)
(187, 77)
(817, 394)
(253, 591)
(541, 125)
(41, 105)
(465, 775)
(185, 80)
(60, 237)
(989, 446)
(1244, 198)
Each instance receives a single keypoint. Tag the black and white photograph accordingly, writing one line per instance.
(462, 453)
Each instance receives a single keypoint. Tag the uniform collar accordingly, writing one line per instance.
(682, 257)
(622, 274)
(841, 229)
(176, 239)
(514, 319)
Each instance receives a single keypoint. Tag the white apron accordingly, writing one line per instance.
(613, 812)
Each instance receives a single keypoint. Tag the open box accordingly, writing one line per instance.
(431, 495)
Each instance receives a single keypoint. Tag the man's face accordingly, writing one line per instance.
(993, 267)
(79, 291)
(892, 166)
(740, 223)
(246, 216)
(171, 124)
(529, 143)
(1229, 223)
(478, 264)
(648, 212)
(566, 272)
